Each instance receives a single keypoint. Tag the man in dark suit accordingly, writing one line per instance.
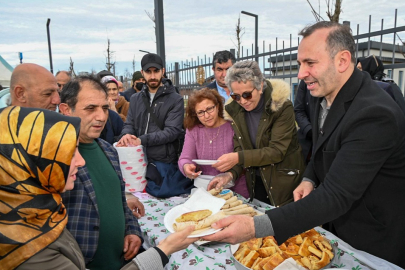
(221, 62)
(356, 177)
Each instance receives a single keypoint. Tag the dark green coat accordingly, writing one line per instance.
(278, 155)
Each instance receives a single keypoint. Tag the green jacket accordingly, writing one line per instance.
(278, 155)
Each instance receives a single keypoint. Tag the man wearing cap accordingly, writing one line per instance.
(117, 103)
(167, 108)
(137, 83)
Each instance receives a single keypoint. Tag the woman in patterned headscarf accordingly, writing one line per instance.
(38, 161)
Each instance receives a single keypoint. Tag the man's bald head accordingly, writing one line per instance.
(33, 86)
(62, 78)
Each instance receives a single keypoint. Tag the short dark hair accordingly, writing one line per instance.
(191, 120)
(340, 37)
(223, 57)
(71, 90)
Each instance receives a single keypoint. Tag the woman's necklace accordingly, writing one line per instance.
(211, 140)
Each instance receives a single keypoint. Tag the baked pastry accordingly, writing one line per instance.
(204, 223)
(250, 258)
(194, 216)
(309, 249)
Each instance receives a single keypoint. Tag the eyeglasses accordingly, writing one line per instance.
(246, 95)
(209, 110)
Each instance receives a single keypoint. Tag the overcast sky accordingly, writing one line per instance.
(79, 29)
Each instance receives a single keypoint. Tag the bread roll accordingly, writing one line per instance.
(246, 210)
(205, 223)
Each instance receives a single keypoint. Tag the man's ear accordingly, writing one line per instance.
(343, 59)
(20, 94)
(65, 109)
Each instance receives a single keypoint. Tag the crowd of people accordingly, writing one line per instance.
(62, 194)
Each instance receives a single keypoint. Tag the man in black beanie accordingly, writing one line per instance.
(137, 83)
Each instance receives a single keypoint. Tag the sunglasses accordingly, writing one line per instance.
(246, 95)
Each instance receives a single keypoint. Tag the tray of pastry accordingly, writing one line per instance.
(310, 250)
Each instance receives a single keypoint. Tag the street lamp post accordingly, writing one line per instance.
(256, 31)
(144, 51)
(49, 43)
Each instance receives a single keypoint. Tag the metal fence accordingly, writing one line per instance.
(280, 60)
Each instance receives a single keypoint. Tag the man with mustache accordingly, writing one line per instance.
(33, 86)
(222, 61)
(99, 218)
(155, 117)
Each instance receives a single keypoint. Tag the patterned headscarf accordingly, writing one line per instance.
(36, 149)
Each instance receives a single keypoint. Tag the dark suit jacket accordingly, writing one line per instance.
(213, 85)
(358, 164)
(303, 113)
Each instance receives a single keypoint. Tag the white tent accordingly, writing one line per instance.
(5, 72)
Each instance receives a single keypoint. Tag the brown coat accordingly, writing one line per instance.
(122, 107)
(278, 154)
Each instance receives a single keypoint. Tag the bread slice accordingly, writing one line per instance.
(320, 263)
(255, 265)
(241, 253)
(250, 258)
(263, 262)
(315, 251)
(292, 249)
(303, 251)
(274, 261)
(266, 251)
(194, 216)
(254, 243)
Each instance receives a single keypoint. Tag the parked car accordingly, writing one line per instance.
(5, 97)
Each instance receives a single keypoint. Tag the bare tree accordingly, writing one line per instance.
(240, 31)
(127, 78)
(334, 8)
(109, 64)
(71, 68)
(151, 16)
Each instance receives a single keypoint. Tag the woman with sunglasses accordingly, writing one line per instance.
(208, 136)
(266, 143)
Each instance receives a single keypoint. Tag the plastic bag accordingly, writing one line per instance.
(133, 165)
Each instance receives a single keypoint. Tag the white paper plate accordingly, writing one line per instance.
(177, 211)
(202, 181)
(205, 161)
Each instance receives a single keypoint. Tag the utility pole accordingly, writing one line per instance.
(49, 44)
(160, 31)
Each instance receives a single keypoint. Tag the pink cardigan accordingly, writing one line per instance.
(197, 146)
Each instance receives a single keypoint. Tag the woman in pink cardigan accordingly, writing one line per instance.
(208, 136)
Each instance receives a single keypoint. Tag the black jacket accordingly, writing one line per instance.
(127, 94)
(168, 107)
(358, 164)
(112, 128)
(303, 113)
